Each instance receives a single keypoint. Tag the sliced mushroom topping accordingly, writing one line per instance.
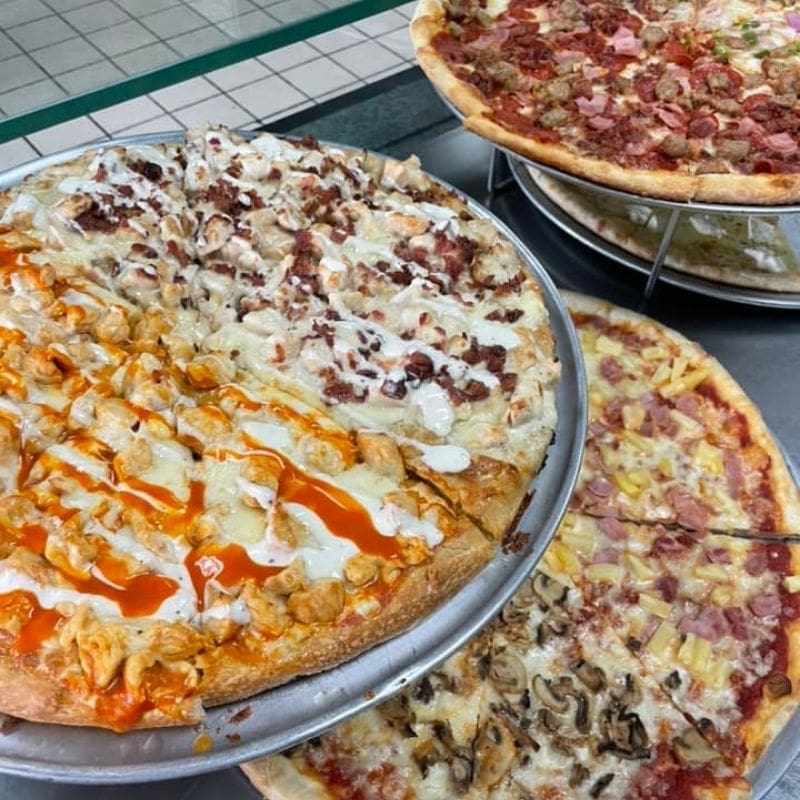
(546, 719)
(461, 771)
(577, 775)
(593, 678)
(507, 673)
(673, 680)
(549, 592)
(553, 626)
(484, 662)
(777, 685)
(707, 730)
(429, 752)
(624, 735)
(430, 685)
(444, 733)
(601, 784)
(397, 713)
(632, 693)
(518, 726)
(692, 748)
(544, 691)
(582, 713)
(494, 755)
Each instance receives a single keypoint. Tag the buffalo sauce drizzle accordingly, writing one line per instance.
(36, 623)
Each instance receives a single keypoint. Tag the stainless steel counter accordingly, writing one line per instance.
(760, 348)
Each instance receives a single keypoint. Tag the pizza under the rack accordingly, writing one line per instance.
(262, 405)
(683, 99)
(759, 252)
(643, 660)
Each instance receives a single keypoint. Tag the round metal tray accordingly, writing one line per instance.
(737, 294)
(306, 707)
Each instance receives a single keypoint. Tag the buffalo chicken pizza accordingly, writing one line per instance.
(262, 405)
(683, 99)
(647, 658)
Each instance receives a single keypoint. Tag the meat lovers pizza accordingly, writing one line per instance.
(644, 659)
(760, 251)
(681, 99)
(262, 405)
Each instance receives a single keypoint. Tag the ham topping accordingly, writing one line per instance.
(718, 555)
(612, 528)
(748, 125)
(625, 42)
(710, 624)
(602, 123)
(606, 555)
(667, 587)
(669, 118)
(781, 143)
(611, 369)
(600, 487)
(766, 605)
(689, 512)
(793, 20)
(733, 472)
(590, 108)
(737, 617)
(756, 563)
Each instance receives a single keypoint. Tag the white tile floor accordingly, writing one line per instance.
(247, 94)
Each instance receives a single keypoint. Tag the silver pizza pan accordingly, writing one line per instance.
(306, 707)
(737, 294)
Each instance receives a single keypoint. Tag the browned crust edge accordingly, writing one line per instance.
(768, 281)
(34, 695)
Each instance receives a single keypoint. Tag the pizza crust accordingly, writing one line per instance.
(227, 679)
(761, 189)
(612, 232)
(277, 778)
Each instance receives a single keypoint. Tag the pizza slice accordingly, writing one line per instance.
(377, 295)
(555, 709)
(672, 437)
(117, 216)
(713, 618)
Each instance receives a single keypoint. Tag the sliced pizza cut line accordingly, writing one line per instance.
(712, 618)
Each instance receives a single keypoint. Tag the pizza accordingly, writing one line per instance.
(672, 438)
(665, 98)
(641, 660)
(263, 404)
(752, 251)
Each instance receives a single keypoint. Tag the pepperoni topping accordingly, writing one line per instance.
(718, 79)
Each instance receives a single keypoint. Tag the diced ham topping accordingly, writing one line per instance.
(756, 562)
(590, 73)
(748, 125)
(625, 42)
(667, 587)
(687, 404)
(733, 472)
(718, 555)
(737, 617)
(669, 118)
(590, 108)
(766, 605)
(600, 487)
(606, 555)
(597, 428)
(611, 369)
(689, 512)
(602, 123)
(649, 629)
(710, 624)
(793, 20)
(781, 143)
(667, 543)
(612, 528)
